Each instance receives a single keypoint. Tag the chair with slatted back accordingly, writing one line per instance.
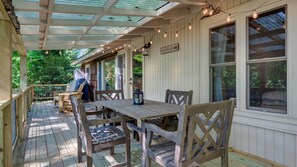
(64, 98)
(101, 138)
(173, 97)
(203, 134)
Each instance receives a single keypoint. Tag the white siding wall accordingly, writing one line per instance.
(270, 136)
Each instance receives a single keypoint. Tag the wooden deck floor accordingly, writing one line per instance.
(51, 141)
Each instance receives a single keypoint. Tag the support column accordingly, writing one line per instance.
(23, 72)
(128, 74)
(6, 92)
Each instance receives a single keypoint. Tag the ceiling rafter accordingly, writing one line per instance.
(48, 20)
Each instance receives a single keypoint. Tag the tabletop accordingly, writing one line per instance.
(150, 109)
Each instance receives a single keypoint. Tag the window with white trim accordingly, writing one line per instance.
(222, 62)
(267, 62)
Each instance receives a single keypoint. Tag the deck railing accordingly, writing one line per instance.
(47, 91)
(13, 115)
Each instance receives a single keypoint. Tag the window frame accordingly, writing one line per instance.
(265, 60)
(225, 64)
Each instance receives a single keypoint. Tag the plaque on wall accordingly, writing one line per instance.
(169, 48)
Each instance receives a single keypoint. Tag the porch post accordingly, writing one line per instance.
(23, 72)
(6, 92)
(128, 74)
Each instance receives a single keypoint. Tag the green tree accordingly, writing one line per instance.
(51, 67)
(15, 70)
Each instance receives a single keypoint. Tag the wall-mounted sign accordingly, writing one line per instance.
(169, 48)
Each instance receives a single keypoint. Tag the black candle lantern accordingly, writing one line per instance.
(138, 97)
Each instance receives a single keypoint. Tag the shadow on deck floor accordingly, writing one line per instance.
(51, 141)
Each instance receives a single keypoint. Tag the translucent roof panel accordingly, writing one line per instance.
(95, 3)
(31, 15)
(141, 4)
(72, 16)
(120, 18)
(30, 27)
(67, 27)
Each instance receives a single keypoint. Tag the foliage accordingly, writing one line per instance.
(51, 68)
(110, 74)
(15, 70)
(137, 71)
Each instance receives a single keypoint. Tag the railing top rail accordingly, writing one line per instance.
(41, 85)
(4, 103)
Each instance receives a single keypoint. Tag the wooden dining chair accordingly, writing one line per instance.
(203, 134)
(173, 97)
(100, 138)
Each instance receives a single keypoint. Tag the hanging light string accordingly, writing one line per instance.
(205, 10)
(254, 11)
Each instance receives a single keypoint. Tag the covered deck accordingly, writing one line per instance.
(51, 141)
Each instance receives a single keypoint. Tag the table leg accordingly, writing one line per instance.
(143, 142)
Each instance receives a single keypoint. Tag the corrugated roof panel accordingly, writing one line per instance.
(72, 16)
(31, 15)
(140, 4)
(95, 3)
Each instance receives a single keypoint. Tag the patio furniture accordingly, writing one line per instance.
(64, 98)
(100, 138)
(203, 134)
(141, 113)
(170, 123)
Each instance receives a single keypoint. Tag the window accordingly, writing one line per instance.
(222, 62)
(267, 64)
(109, 74)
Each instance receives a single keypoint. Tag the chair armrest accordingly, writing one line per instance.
(152, 128)
(68, 93)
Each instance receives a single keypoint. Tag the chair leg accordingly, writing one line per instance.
(128, 152)
(224, 159)
(79, 149)
(112, 151)
(89, 159)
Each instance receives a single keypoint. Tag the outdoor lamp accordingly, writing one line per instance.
(138, 97)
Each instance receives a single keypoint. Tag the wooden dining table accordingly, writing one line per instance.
(150, 109)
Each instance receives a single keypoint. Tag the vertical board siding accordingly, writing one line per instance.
(172, 70)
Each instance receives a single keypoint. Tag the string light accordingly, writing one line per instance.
(158, 30)
(151, 42)
(120, 47)
(229, 17)
(116, 48)
(60, 53)
(129, 45)
(135, 49)
(142, 49)
(101, 45)
(255, 14)
(165, 34)
(46, 52)
(125, 44)
(102, 51)
(211, 12)
(205, 11)
(108, 47)
(176, 34)
(190, 26)
(112, 51)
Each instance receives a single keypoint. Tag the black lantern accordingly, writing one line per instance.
(138, 97)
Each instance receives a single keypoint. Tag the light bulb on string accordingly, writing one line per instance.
(60, 53)
(165, 34)
(176, 34)
(190, 26)
(205, 10)
(116, 48)
(46, 52)
(255, 14)
(211, 12)
(135, 49)
(102, 51)
(142, 49)
(125, 44)
(151, 42)
(158, 30)
(120, 47)
(229, 17)
(112, 51)
(129, 45)
(108, 47)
